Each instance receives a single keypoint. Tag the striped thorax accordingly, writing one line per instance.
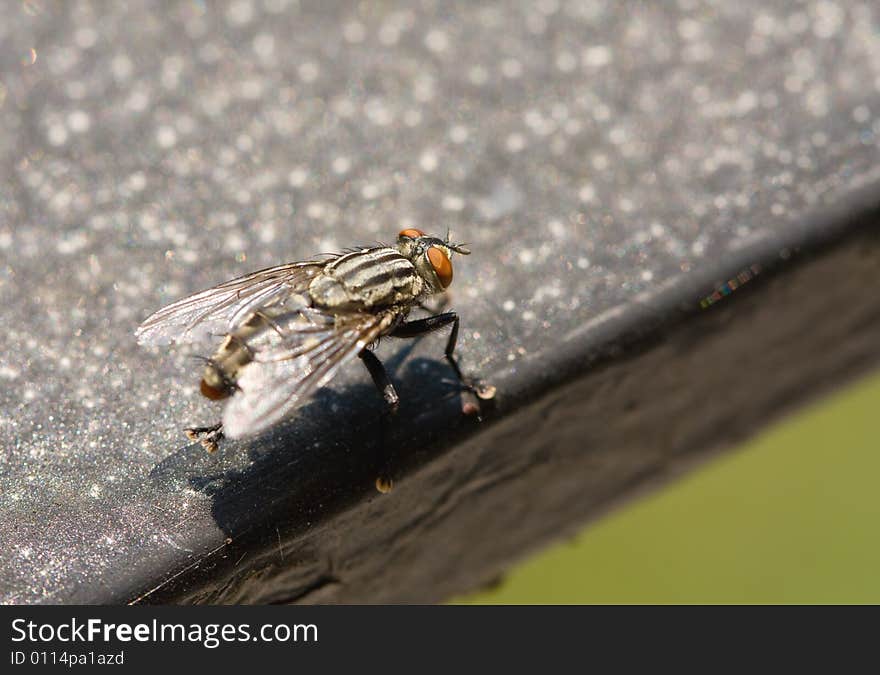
(367, 279)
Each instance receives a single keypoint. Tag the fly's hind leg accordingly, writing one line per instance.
(410, 329)
(209, 436)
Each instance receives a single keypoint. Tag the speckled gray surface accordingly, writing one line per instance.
(589, 153)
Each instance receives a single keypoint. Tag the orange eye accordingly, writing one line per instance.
(411, 232)
(442, 266)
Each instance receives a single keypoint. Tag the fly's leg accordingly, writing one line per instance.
(383, 383)
(209, 437)
(380, 378)
(419, 327)
(384, 480)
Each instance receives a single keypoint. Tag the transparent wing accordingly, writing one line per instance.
(307, 350)
(217, 310)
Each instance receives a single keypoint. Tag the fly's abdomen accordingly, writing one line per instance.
(258, 330)
(375, 277)
(221, 371)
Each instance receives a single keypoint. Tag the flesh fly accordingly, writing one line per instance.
(288, 329)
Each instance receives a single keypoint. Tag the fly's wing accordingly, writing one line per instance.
(217, 310)
(308, 349)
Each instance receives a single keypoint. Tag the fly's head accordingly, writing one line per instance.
(431, 256)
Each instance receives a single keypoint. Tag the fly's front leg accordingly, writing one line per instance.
(209, 437)
(422, 326)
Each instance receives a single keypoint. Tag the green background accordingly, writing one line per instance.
(790, 517)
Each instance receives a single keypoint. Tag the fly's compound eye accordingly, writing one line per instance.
(411, 233)
(441, 264)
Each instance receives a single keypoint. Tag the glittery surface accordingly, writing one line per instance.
(587, 152)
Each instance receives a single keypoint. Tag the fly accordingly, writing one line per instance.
(288, 329)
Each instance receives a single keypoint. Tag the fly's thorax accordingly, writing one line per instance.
(367, 279)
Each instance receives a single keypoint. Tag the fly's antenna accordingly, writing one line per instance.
(458, 248)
